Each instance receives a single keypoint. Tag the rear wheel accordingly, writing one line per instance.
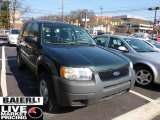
(20, 62)
(144, 76)
(46, 91)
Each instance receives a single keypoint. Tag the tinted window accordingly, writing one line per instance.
(33, 31)
(101, 40)
(115, 43)
(65, 34)
(15, 31)
(26, 30)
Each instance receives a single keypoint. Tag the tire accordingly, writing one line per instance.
(144, 76)
(46, 90)
(20, 62)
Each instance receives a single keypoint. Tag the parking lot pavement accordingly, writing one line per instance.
(152, 91)
(22, 83)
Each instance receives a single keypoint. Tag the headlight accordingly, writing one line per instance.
(76, 73)
(131, 64)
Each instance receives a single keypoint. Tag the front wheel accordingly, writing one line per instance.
(144, 76)
(46, 91)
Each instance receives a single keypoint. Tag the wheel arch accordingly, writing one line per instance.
(149, 66)
(45, 64)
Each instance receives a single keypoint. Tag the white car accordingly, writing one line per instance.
(13, 35)
(4, 34)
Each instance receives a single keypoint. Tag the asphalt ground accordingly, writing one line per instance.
(22, 83)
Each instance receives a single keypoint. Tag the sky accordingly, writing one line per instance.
(110, 7)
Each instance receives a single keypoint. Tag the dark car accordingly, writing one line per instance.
(70, 69)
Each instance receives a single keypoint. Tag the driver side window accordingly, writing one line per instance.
(115, 43)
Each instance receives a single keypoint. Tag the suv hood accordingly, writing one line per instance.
(85, 56)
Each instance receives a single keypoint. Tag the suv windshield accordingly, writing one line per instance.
(139, 45)
(55, 33)
(15, 31)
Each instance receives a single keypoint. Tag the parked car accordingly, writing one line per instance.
(70, 69)
(144, 57)
(13, 36)
(141, 35)
(158, 38)
(155, 44)
(4, 34)
(153, 38)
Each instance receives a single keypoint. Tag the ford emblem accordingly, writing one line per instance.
(117, 73)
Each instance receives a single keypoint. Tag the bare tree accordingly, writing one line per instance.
(17, 10)
(79, 14)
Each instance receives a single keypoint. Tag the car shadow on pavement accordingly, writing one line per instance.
(152, 87)
(27, 84)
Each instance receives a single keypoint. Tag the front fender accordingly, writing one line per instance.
(48, 64)
(152, 66)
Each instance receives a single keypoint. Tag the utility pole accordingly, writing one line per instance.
(101, 8)
(86, 19)
(62, 11)
(155, 16)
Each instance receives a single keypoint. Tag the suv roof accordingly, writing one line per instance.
(48, 21)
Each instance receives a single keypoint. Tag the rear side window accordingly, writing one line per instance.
(15, 31)
(33, 31)
(26, 29)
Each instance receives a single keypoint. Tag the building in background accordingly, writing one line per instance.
(126, 24)
(133, 24)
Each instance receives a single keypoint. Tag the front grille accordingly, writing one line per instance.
(113, 74)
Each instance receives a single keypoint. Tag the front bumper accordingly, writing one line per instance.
(82, 93)
(12, 42)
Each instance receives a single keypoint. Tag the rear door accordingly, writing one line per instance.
(33, 48)
(23, 44)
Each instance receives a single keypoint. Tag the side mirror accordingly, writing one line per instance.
(123, 49)
(30, 39)
(99, 42)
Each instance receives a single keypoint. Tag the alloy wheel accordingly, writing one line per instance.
(143, 77)
(44, 91)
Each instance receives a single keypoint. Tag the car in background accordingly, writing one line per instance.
(144, 57)
(153, 38)
(13, 36)
(141, 35)
(4, 34)
(154, 43)
(158, 38)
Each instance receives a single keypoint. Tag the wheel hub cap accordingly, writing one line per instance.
(44, 91)
(143, 77)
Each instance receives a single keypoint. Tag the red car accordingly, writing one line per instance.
(158, 38)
